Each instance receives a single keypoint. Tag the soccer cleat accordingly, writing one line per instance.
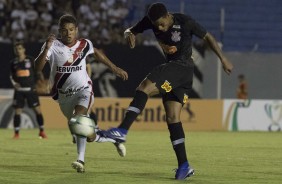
(78, 166)
(42, 135)
(16, 136)
(116, 134)
(120, 149)
(183, 172)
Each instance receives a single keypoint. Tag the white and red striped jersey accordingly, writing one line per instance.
(68, 67)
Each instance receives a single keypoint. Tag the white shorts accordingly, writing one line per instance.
(84, 98)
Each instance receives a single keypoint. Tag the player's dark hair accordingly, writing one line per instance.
(67, 18)
(19, 43)
(156, 11)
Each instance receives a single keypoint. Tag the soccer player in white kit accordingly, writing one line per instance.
(71, 85)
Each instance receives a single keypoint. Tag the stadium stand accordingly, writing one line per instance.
(252, 25)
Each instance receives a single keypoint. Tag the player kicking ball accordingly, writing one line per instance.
(71, 85)
(173, 79)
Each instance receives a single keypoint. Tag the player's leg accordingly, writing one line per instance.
(177, 137)
(145, 89)
(18, 104)
(80, 142)
(68, 108)
(33, 102)
(121, 149)
(40, 121)
(17, 122)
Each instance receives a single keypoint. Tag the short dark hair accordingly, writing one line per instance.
(18, 43)
(156, 11)
(67, 18)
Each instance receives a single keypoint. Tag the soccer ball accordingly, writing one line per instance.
(82, 125)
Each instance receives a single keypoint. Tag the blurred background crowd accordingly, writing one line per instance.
(31, 20)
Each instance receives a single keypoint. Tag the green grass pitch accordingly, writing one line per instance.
(217, 157)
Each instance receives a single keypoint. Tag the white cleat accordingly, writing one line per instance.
(121, 149)
(78, 166)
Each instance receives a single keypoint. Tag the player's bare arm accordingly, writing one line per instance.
(41, 58)
(99, 56)
(130, 38)
(88, 69)
(15, 84)
(226, 64)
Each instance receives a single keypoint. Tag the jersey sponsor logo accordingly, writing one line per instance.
(185, 98)
(68, 69)
(168, 49)
(22, 73)
(175, 36)
(176, 26)
(83, 98)
(166, 86)
(71, 91)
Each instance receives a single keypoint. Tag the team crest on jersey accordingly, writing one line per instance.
(185, 98)
(80, 54)
(175, 36)
(166, 86)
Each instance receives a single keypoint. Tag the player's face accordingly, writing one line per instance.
(68, 33)
(19, 50)
(163, 23)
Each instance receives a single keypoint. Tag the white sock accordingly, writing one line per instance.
(100, 139)
(81, 147)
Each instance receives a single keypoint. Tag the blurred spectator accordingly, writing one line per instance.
(242, 91)
(32, 20)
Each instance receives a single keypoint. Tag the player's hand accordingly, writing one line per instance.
(168, 49)
(50, 40)
(130, 38)
(227, 66)
(120, 73)
(17, 86)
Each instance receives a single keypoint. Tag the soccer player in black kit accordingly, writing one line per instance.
(173, 79)
(23, 79)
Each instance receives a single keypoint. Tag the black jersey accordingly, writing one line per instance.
(178, 35)
(22, 72)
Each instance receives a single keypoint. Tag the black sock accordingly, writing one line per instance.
(94, 117)
(40, 121)
(135, 108)
(177, 138)
(17, 122)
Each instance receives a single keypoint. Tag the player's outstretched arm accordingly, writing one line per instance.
(99, 56)
(130, 38)
(40, 61)
(226, 64)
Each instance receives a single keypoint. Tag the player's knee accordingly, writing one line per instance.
(149, 88)
(172, 119)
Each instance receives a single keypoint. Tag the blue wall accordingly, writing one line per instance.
(250, 25)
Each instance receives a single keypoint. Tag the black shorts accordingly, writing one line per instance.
(31, 97)
(173, 80)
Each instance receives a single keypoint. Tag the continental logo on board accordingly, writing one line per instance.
(115, 113)
(166, 86)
